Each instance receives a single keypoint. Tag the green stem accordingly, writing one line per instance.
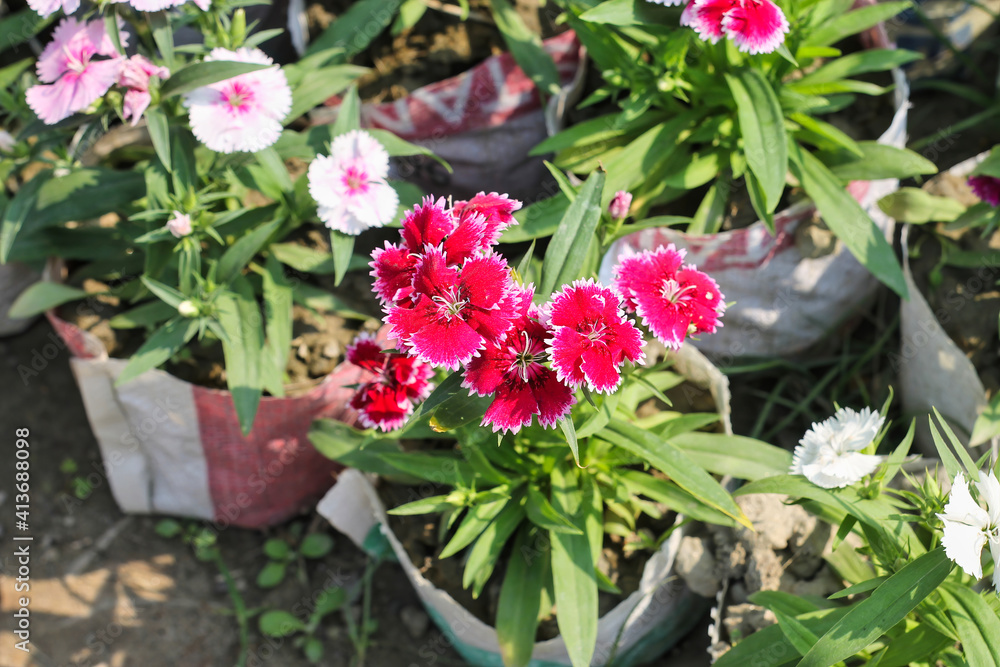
(239, 608)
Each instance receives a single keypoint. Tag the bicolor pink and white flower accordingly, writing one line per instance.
(755, 26)
(244, 113)
(46, 8)
(72, 70)
(134, 77)
(179, 224)
(349, 185)
(968, 527)
(513, 372)
(497, 210)
(830, 453)
(399, 382)
(987, 188)
(591, 337)
(454, 312)
(672, 300)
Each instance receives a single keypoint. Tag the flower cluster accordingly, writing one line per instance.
(349, 185)
(672, 299)
(829, 454)
(755, 26)
(244, 113)
(399, 382)
(987, 188)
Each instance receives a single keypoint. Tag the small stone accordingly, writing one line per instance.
(331, 350)
(302, 352)
(696, 566)
(415, 621)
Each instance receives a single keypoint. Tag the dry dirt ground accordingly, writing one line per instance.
(108, 591)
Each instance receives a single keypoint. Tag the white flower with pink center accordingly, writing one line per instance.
(244, 113)
(349, 185)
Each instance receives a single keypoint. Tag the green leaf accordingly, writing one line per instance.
(526, 47)
(845, 217)
(861, 62)
(770, 648)
(797, 634)
(159, 133)
(339, 442)
(437, 468)
(675, 464)
(316, 545)
(857, 589)
(430, 505)
(673, 496)
(986, 427)
(476, 519)
(41, 297)
(239, 316)
(544, 515)
(397, 147)
(521, 596)
(538, 220)
(278, 623)
(238, 255)
(278, 298)
(888, 605)
(165, 293)
(168, 528)
(354, 30)
(567, 251)
(569, 430)
(630, 12)
(12, 217)
(762, 126)
(917, 206)
(330, 600)
(302, 258)
(342, 246)
(734, 455)
(317, 86)
(158, 348)
(144, 315)
(824, 135)
(877, 161)
(163, 35)
(276, 549)
(18, 27)
(853, 22)
(201, 74)
(913, 646)
(573, 577)
(111, 29)
(313, 650)
(485, 553)
(990, 166)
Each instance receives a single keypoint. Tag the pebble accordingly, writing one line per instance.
(415, 620)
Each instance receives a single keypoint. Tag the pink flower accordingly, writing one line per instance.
(67, 64)
(672, 301)
(135, 77)
(591, 338)
(400, 381)
(755, 26)
(620, 205)
(513, 371)
(243, 113)
(986, 188)
(350, 185)
(498, 211)
(180, 224)
(454, 311)
(48, 7)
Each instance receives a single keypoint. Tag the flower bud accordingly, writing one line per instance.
(620, 205)
(238, 28)
(188, 309)
(180, 224)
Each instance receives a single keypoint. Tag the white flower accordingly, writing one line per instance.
(967, 526)
(350, 187)
(180, 224)
(829, 454)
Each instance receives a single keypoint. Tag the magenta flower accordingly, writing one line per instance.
(513, 372)
(134, 77)
(75, 78)
(454, 311)
(620, 205)
(591, 338)
(672, 301)
(399, 382)
(987, 188)
(46, 8)
(350, 186)
(244, 113)
(497, 210)
(755, 26)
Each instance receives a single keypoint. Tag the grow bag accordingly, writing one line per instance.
(784, 302)
(172, 447)
(641, 628)
(483, 122)
(933, 371)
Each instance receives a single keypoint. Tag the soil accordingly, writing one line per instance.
(440, 45)
(419, 535)
(948, 289)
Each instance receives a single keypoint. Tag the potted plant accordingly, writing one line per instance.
(198, 249)
(556, 440)
(716, 123)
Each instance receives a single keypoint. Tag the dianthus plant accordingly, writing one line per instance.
(531, 440)
(729, 102)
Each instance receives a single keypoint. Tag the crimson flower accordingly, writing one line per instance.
(755, 26)
(672, 300)
(986, 188)
(591, 338)
(513, 372)
(453, 312)
(497, 210)
(400, 381)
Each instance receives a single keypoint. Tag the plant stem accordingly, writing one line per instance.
(239, 608)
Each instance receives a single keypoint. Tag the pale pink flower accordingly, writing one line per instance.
(135, 77)
(180, 224)
(349, 185)
(244, 113)
(48, 7)
(620, 205)
(76, 80)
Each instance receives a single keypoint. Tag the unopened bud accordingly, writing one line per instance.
(620, 205)
(188, 309)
